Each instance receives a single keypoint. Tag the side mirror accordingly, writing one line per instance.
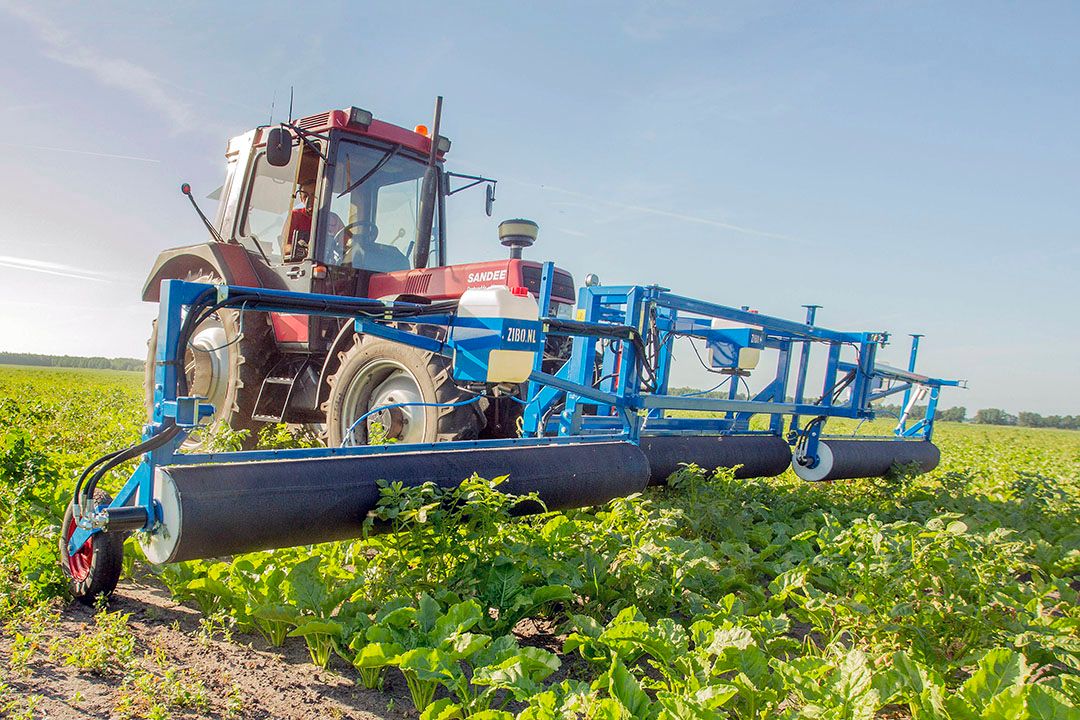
(278, 147)
(490, 198)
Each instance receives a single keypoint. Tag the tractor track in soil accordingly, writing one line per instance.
(267, 682)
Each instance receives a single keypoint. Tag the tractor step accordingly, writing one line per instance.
(277, 389)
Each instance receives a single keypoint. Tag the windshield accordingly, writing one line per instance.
(374, 200)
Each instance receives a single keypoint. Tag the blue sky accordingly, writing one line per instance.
(913, 167)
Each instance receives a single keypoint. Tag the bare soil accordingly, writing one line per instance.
(245, 678)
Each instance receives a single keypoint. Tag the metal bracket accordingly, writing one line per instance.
(187, 411)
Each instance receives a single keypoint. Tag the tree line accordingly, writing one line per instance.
(985, 416)
(992, 416)
(70, 361)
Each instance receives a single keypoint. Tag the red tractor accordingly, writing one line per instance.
(340, 203)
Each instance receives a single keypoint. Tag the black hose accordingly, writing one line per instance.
(89, 469)
(114, 459)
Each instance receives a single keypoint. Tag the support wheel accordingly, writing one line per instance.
(95, 569)
(226, 360)
(375, 373)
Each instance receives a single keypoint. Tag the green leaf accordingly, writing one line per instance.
(501, 648)
(737, 638)
(958, 709)
(923, 688)
(397, 617)
(304, 587)
(1046, 703)
(551, 593)
(317, 627)
(427, 613)
(714, 696)
(997, 671)
(623, 686)
(277, 613)
(1009, 704)
(587, 626)
(465, 645)
(956, 527)
(375, 655)
(607, 709)
(520, 673)
(855, 687)
(679, 707)
(459, 618)
(429, 664)
(444, 709)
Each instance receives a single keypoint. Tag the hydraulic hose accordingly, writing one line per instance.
(114, 459)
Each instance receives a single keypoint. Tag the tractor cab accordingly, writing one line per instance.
(334, 198)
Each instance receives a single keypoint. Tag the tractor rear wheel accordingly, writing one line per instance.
(95, 569)
(226, 360)
(377, 374)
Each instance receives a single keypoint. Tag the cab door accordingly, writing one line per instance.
(282, 258)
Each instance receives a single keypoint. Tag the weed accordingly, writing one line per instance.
(108, 648)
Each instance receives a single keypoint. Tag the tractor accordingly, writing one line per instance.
(341, 203)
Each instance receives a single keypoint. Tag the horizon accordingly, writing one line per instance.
(911, 169)
(944, 408)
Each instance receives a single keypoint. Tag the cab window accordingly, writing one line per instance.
(280, 206)
(374, 207)
(269, 204)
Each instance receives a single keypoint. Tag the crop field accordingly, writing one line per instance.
(950, 595)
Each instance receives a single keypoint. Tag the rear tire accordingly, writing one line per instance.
(375, 373)
(95, 569)
(227, 359)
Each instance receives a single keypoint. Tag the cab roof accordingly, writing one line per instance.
(360, 122)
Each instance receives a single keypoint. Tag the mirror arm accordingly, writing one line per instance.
(476, 180)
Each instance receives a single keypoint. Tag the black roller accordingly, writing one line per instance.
(229, 508)
(759, 456)
(844, 459)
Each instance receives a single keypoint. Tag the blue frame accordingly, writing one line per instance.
(615, 407)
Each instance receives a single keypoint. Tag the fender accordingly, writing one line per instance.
(229, 262)
(344, 340)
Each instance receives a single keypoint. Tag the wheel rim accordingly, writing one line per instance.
(78, 565)
(206, 363)
(378, 384)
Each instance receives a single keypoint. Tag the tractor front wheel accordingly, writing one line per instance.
(411, 392)
(94, 569)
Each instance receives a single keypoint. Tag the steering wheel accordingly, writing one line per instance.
(364, 230)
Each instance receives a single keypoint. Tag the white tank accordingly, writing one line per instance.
(512, 366)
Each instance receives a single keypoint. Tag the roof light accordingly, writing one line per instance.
(360, 117)
(519, 291)
(444, 144)
(421, 130)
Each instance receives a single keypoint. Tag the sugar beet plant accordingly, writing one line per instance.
(952, 595)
